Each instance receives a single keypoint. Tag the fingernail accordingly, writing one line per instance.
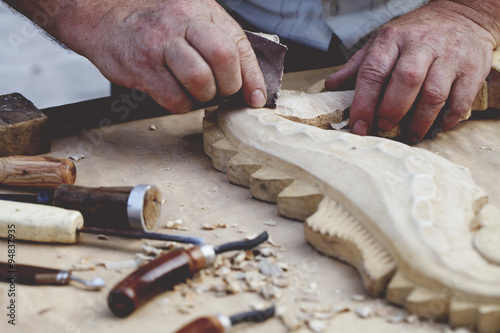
(385, 124)
(413, 138)
(257, 99)
(360, 127)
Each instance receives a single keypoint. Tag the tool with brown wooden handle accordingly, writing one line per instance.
(33, 171)
(39, 276)
(166, 271)
(137, 207)
(41, 223)
(222, 324)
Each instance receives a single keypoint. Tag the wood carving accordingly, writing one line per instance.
(415, 225)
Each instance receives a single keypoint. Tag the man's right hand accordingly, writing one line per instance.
(176, 51)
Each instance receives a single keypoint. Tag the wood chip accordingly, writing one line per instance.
(77, 157)
(126, 264)
(316, 326)
(364, 312)
(358, 298)
(291, 322)
(175, 224)
(270, 223)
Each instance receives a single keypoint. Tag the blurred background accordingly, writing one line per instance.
(40, 69)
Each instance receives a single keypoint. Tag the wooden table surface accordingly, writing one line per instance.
(172, 158)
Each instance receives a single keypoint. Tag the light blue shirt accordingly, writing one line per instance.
(312, 22)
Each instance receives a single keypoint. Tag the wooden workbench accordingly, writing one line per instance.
(172, 158)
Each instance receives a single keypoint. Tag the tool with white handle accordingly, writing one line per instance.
(41, 223)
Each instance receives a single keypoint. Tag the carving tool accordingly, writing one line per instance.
(221, 323)
(166, 271)
(26, 130)
(40, 223)
(37, 276)
(136, 207)
(31, 171)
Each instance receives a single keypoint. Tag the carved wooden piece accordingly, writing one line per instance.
(390, 210)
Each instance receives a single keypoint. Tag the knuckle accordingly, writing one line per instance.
(434, 96)
(201, 85)
(409, 77)
(175, 103)
(389, 32)
(373, 72)
(225, 52)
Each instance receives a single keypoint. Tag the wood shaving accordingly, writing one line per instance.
(127, 264)
(395, 319)
(175, 224)
(83, 267)
(316, 326)
(269, 269)
(77, 157)
(270, 223)
(365, 312)
(338, 126)
(358, 298)
(217, 225)
(144, 257)
(151, 250)
(291, 322)
(412, 319)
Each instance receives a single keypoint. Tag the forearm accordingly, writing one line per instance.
(485, 13)
(70, 22)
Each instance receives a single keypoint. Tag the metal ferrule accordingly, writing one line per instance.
(225, 322)
(208, 253)
(63, 277)
(135, 207)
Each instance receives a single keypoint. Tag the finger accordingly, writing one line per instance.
(344, 78)
(432, 98)
(373, 74)
(254, 86)
(462, 96)
(220, 52)
(162, 86)
(190, 69)
(404, 86)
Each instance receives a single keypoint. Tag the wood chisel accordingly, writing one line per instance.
(137, 207)
(166, 271)
(40, 223)
(39, 172)
(38, 276)
(222, 324)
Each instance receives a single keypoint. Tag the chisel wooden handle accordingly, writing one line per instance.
(33, 275)
(40, 172)
(157, 276)
(135, 207)
(210, 324)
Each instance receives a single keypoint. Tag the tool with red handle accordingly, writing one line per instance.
(222, 324)
(166, 271)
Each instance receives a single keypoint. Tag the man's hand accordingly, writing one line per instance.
(175, 50)
(439, 53)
